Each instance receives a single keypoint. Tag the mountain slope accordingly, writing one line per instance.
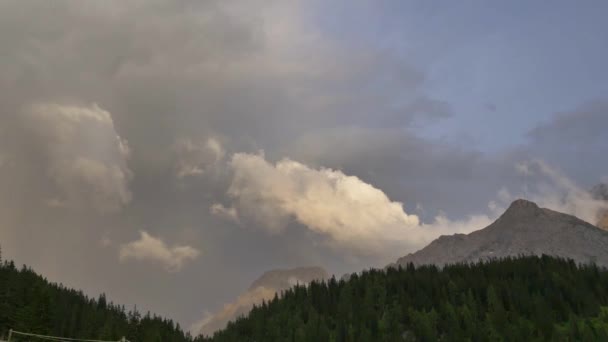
(521, 299)
(262, 289)
(284, 279)
(524, 229)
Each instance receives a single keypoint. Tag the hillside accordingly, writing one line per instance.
(523, 299)
(30, 303)
(262, 289)
(524, 229)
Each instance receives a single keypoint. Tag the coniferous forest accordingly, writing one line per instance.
(29, 303)
(520, 299)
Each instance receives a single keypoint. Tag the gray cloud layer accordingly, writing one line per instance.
(118, 117)
(87, 160)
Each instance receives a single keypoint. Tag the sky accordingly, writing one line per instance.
(167, 153)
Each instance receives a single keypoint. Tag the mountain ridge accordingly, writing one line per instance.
(283, 279)
(523, 229)
(263, 289)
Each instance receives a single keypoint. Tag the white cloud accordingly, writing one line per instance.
(150, 248)
(357, 217)
(229, 214)
(194, 159)
(86, 158)
(349, 213)
(344, 208)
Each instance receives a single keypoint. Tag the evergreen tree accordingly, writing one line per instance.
(29, 303)
(515, 299)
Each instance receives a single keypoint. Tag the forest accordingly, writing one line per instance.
(516, 299)
(30, 303)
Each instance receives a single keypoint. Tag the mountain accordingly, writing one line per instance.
(284, 279)
(524, 229)
(262, 289)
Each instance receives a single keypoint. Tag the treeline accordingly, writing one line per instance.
(519, 299)
(30, 303)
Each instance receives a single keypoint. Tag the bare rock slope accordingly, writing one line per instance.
(524, 229)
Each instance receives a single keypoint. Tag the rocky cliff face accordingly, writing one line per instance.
(524, 229)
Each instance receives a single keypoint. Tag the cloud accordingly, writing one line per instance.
(262, 75)
(584, 125)
(150, 248)
(229, 214)
(349, 213)
(194, 159)
(328, 202)
(427, 108)
(442, 225)
(86, 158)
(405, 166)
(550, 188)
(574, 138)
(105, 241)
(358, 218)
(523, 168)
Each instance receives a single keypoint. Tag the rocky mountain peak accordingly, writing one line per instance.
(524, 229)
(521, 205)
(520, 210)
